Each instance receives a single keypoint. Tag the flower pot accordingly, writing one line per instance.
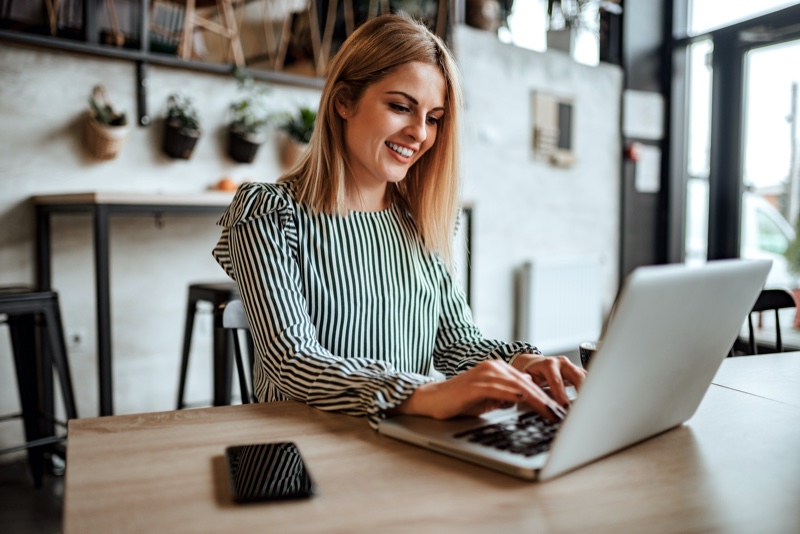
(179, 144)
(103, 141)
(291, 151)
(562, 40)
(243, 147)
(483, 14)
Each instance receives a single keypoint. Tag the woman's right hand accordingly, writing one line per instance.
(487, 386)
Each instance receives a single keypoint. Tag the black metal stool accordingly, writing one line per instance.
(37, 339)
(215, 293)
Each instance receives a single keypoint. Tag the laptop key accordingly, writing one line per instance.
(527, 435)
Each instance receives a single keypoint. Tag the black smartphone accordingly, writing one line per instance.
(267, 471)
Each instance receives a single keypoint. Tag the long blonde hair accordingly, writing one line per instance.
(429, 190)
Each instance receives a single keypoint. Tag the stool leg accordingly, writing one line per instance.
(237, 353)
(223, 368)
(251, 355)
(23, 342)
(187, 345)
(58, 353)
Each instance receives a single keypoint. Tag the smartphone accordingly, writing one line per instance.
(267, 471)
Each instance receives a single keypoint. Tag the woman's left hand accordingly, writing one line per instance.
(553, 372)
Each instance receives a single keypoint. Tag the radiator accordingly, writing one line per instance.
(558, 303)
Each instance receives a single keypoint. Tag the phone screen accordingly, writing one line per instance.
(267, 471)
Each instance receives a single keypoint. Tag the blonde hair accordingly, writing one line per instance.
(429, 190)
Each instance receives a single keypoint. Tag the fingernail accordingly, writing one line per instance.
(558, 411)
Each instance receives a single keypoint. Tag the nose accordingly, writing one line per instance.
(417, 129)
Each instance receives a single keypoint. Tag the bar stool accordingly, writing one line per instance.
(37, 340)
(215, 293)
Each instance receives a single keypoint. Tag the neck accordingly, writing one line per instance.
(369, 199)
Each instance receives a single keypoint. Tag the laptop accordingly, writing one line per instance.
(670, 329)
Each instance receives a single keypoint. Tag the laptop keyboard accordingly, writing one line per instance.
(527, 435)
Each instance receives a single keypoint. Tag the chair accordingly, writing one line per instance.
(192, 18)
(215, 293)
(37, 339)
(231, 316)
(769, 299)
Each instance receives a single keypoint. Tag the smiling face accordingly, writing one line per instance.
(390, 127)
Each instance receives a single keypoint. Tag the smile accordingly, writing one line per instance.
(405, 152)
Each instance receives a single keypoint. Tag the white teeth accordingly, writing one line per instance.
(405, 152)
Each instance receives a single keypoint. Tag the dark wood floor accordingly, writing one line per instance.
(24, 508)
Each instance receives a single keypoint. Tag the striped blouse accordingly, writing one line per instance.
(347, 313)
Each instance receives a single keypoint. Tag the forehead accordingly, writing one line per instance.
(417, 79)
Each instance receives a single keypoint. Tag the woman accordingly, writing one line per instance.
(343, 266)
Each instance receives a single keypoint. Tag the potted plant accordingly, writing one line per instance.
(182, 126)
(249, 119)
(298, 128)
(792, 255)
(566, 17)
(106, 128)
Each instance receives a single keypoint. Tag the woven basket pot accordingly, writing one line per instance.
(243, 148)
(178, 144)
(103, 141)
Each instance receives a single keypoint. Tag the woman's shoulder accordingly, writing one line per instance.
(257, 199)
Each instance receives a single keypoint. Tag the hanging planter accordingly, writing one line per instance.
(106, 129)
(483, 14)
(243, 147)
(181, 128)
(291, 151)
(564, 18)
(563, 39)
(249, 118)
(298, 129)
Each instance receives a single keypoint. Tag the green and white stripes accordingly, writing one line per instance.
(347, 313)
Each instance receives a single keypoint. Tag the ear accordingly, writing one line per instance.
(342, 108)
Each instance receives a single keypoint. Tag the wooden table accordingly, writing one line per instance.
(772, 376)
(101, 207)
(734, 467)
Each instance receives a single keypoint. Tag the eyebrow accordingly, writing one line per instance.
(412, 99)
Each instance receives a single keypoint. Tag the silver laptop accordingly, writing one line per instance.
(671, 328)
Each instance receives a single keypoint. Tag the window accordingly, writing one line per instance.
(705, 15)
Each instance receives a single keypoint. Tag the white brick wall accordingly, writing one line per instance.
(526, 208)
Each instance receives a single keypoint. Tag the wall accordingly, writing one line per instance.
(43, 98)
(523, 208)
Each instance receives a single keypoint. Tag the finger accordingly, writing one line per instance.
(549, 373)
(500, 381)
(495, 392)
(537, 399)
(545, 406)
(558, 372)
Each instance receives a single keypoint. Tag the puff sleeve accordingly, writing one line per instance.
(259, 249)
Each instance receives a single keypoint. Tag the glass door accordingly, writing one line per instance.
(770, 177)
(741, 153)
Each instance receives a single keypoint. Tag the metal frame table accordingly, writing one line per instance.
(101, 207)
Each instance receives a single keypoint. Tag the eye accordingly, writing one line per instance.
(399, 108)
(433, 121)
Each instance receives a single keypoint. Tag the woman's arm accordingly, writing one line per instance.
(291, 359)
(485, 374)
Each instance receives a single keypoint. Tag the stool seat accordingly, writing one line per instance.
(37, 339)
(215, 293)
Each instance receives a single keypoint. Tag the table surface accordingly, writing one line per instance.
(772, 376)
(734, 467)
(207, 198)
